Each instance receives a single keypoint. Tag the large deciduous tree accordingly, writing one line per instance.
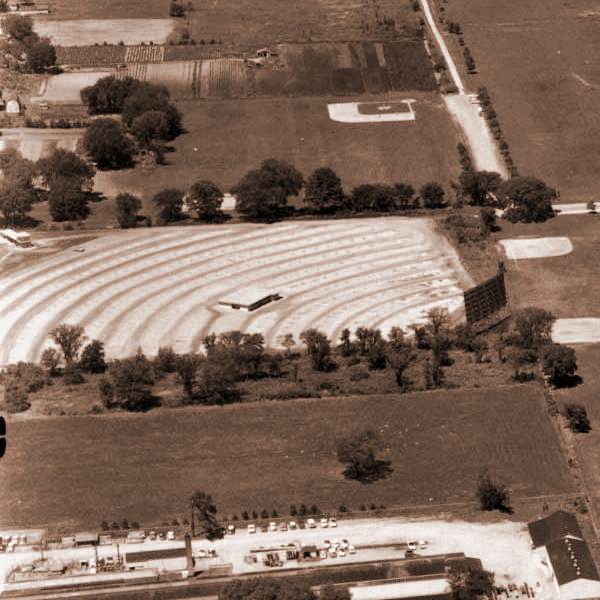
(132, 380)
(263, 193)
(432, 194)
(41, 55)
(151, 127)
(63, 164)
(324, 192)
(170, 203)
(206, 198)
(204, 514)
(128, 207)
(527, 199)
(108, 146)
(318, 348)
(69, 338)
(479, 185)
(492, 495)
(358, 451)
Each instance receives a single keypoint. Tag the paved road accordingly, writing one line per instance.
(483, 147)
(442, 46)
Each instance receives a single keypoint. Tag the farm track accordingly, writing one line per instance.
(136, 289)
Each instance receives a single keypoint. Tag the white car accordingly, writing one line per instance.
(201, 553)
(324, 522)
(411, 546)
(272, 526)
(344, 544)
(326, 544)
(351, 549)
(323, 554)
(293, 525)
(252, 528)
(341, 552)
(311, 523)
(170, 535)
(332, 522)
(230, 529)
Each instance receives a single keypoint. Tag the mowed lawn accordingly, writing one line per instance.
(567, 285)
(226, 138)
(74, 472)
(541, 64)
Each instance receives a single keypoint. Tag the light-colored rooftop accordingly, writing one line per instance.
(402, 589)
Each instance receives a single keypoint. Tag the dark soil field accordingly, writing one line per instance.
(109, 9)
(74, 472)
(541, 64)
(225, 139)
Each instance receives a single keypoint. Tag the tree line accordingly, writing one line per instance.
(214, 375)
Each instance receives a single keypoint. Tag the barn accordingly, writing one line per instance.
(559, 542)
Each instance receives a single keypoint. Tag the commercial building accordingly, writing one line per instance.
(559, 542)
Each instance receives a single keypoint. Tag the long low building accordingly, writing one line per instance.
(559, 542)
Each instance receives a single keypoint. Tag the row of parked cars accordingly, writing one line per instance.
(8, 544)
(291, 525)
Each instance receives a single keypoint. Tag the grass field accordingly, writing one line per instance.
(248, 22)
(80, 470)
(541, 63)
(567, 285)
(218, 146)
(166, 289)
(109, 9)
(83, 32)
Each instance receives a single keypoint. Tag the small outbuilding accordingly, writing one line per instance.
(86, 539)
(249, 298)
(13, 107)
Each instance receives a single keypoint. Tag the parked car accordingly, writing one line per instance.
(230, 529)
(264, 528)
(152, 535)
(410, 554)
(283, 526)
(351, 549)
(272, 526)
(324, 522)
(344, 544)
(341, 552)
(162, 536)
(252, 528)
(332, 522)
(293, 525)
(311, 524)
(170, 535)
(322, 554)
(201, 553)
(332, 553)
(326, 544)
(411, 545)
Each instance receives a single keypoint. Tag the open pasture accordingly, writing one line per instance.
(271, 455)
(218, 147)
(112, 31)
(247, 22)
(541, 64)
(166, 287)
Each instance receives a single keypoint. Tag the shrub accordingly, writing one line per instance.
(577, 418)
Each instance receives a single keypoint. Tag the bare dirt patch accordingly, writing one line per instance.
(577, 331)
(519, 249)
(66, 87)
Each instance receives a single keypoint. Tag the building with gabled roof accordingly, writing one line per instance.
(554, 527)
(559, 541)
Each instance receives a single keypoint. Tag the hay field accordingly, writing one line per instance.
(541, 63)
(66, 87)
(247, 22)
(227, 138)
(165, 289)
(90, 31)
(271, 455)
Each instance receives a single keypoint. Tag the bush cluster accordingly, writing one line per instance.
(492, 119)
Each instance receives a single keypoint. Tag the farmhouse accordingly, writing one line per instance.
(560, 544)
(249, 298)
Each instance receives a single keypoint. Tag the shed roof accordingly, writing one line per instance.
(554, 527)
(85, 537)
(571, 559)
